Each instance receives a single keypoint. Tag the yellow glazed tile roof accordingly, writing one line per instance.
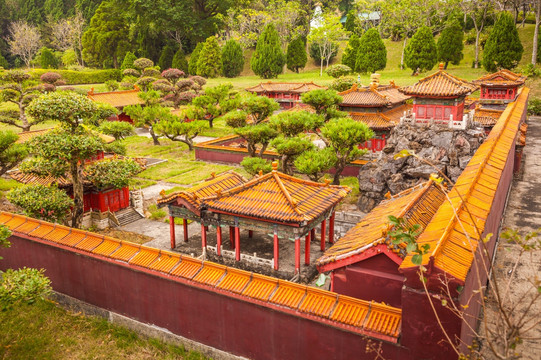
(118, 99)
(416, 205)
(277, 197)
(502, 77)
(369, 318)
(453, 233)
(284, 87)
(440, 84)
(487, 117)
(373, 96)
(381, 120)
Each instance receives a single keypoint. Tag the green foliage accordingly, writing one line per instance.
(349, 57)
(111, 85)
(268, 59)
(148, 115)
(324, 102)
(11, 154)
(293, 123)
(254, 165)
(338, 70)
(534, 107)
(315, 163)
(235, 119)
(503, 48)
(5, 233)
(156, 213)
(372, 54)
(451, 44)
(42, 202)
(194, 58)
(18, 89)
(259, 107)
(111, 173)
(212, 104)
(403, 233)
(69, 58)
(23, 285)
(352, 22)
(289, 148)
(177, 128)
(232, 59)
(115, 147)
(179, 61)
(296, 56)
(254, 135)
(128, 61)
(166, 57)
(47, 59)
(209, 61)
(343, 83)
(421, 52)
(315, 52)
(73, 77)
(118, 129)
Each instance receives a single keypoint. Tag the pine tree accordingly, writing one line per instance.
(192, 67)
(127, 63)
(232, 59)
(349, 57)
(503, 48)
(296, 56)
(166, 57)
(421, 52)
(351, 24)
(372, 54)
(268, 59)
(47, 59)
(179, 61)
(209, 62)
(451, 44)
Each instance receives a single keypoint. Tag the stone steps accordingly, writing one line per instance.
(127, 216)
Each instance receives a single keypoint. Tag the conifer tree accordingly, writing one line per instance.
(503, 48)
(351, 24)
(47, 59)
(179, 61)
(127, 63)
(209, 62)
(3, 62)
(421, 52)
(349, 58)
(296, 56)
(451, 44)
(192, 67)
(166, 57)
(268, 59)
(372, 54)
(232, 59)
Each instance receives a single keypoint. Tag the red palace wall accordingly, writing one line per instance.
(376, 278)
(240, 326)
(113, 200)
(498, 94)
(438, 112)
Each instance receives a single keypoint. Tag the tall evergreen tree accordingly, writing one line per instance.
(268, 59)
(352, 24)
(372, 54)
(166, 57)
(232, 59)
(127, 63)
(179, 61)
(296, 56)
(451, 44)
(349, 57)
(421, 52)
(47, 60)
(503, 48)
(192, 68)
(209, 62)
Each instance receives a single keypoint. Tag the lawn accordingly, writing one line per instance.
(43, 330)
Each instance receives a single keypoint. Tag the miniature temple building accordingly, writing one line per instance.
(364, 263)
(439, 98)
(118, 99)
(285, 93)
(276, 203)
(379, 106)
(500, 87)
(487, 117)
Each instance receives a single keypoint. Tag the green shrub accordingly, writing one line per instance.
(296, 56)
(531, 71)
(127, 63)
(349, 57)
(117, 129)
(534, 107)
(23, 285)
(111, 85)
(155, 213)
(47, 59)
(232, 59)
(166, 57)
(42, 202)
(372, 54)
(194, 57)
(3, 62)
(116, 147)
(338, 70)
(179, 61)
(342, 84)
(253, 165)
(69, 58)
(73, 77)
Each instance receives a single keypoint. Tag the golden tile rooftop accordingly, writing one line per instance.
(440, 84)
(502, 77)
(118, 99)
(373, 96)
(381, 120)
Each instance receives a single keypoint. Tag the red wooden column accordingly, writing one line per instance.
(323, 229)
(332, 281)
(297, 255)
(250, 233)
(219, 240)
(203, 236)
(232, 237)
(276, 250)
(237, 243)
(172, 232)
(185, 226)
(313, 234)
(307, 249)
(331, 228)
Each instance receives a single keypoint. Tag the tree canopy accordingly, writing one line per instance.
(503, 48)
(371, 54)
(421, 52)
(268, 59)
(451, 44)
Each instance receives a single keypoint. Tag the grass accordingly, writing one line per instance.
(8, 184)
(138, 183)
(45, 331)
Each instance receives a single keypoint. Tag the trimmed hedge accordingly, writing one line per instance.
(73, 77)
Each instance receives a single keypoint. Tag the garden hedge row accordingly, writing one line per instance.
(73, 77)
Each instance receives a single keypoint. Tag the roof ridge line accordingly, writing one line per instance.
(285, 192)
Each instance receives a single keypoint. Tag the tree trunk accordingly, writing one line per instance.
(524, 13)
(445, 66)
(263, 148)
(536, 31)
(22, 116)
(154, 136)
(211, 120)
(321, 67)
(476, 61)
(403, 49)
(337, 172)
(76, 171)
(283, 159)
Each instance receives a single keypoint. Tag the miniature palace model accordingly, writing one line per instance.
(283, 205)
(286, 94)
(118, 99)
